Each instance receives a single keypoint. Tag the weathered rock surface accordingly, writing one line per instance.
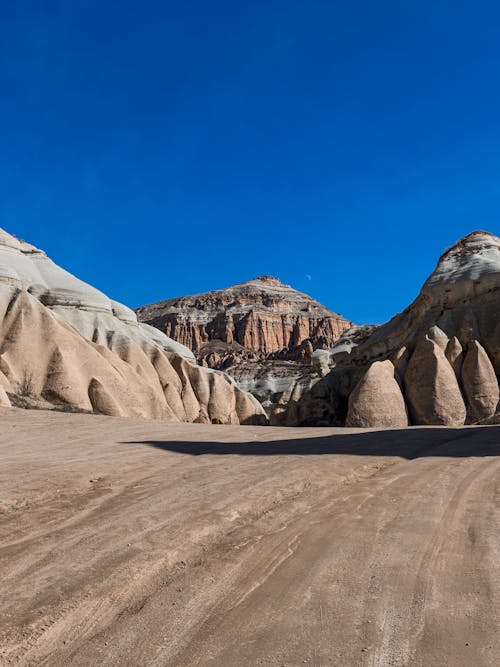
(431, 387)
(400, 360)
(262, 315)
(454, 354)
(457, 310)
(461, 297)
(261, 332)
(377, 400)
(4, 399)
(64, 343)
(439, 337)
(479, 382)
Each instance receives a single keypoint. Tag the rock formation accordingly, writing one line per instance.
(262, 315)
(261, 332)
(377, 400)
(454, 354)
(65, 344)
(445, 348)
(479, 382)
(432, 389)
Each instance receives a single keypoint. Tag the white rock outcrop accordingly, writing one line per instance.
(445, 347)
(65, 343)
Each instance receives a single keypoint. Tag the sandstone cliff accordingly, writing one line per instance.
(262, 315)
(65, 344)
(261, 332)
(444, 350)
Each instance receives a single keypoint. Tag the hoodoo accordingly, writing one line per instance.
(445, 349)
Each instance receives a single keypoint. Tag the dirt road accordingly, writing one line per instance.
(138, 543)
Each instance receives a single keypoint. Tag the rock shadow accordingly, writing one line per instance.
(410, 443)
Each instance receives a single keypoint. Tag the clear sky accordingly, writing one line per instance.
(161, 148)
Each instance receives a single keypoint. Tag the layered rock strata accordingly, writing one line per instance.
(65, 344)
(261, 332)
(262, 315)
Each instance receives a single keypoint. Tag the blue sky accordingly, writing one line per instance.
(157, 149)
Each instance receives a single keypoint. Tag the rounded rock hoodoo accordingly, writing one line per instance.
(479, 382)
(377, 400)
(432, 389)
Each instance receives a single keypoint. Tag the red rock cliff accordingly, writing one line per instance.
(262, 315)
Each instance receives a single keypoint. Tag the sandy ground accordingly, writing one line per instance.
(137, 543)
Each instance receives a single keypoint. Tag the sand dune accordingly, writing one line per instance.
(146, 543)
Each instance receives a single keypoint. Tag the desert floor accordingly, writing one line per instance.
(137, 543)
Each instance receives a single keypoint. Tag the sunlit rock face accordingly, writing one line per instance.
(262, 315)
(64, 343)
(431, 387)
(445, 349)
(377, 400)
(261, 332)
(479, 382)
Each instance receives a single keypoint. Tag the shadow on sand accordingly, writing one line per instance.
(408, 443)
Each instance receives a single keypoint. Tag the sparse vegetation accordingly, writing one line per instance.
(26, 386)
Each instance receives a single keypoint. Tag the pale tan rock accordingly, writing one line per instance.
(461, 297)
(400, 360)
(454, 354)
(103, 401)
(460, 300)
(4, 399)
(436, 334)
(64, 386)
(245, 407)
(377, 400)
(432, 389)
(479, 382)
(65, 344)
(222, 400)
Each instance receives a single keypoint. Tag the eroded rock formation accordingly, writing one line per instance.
(261, 332)
(431, 386)
(445, 348)
(65, 344)
(262, 315)
(377, 399)
(479, 382)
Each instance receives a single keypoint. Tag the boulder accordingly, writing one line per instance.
(432, 389)
(377, 400)
(479, 382)
(454, 354)
(438, 336)
(400, 359)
